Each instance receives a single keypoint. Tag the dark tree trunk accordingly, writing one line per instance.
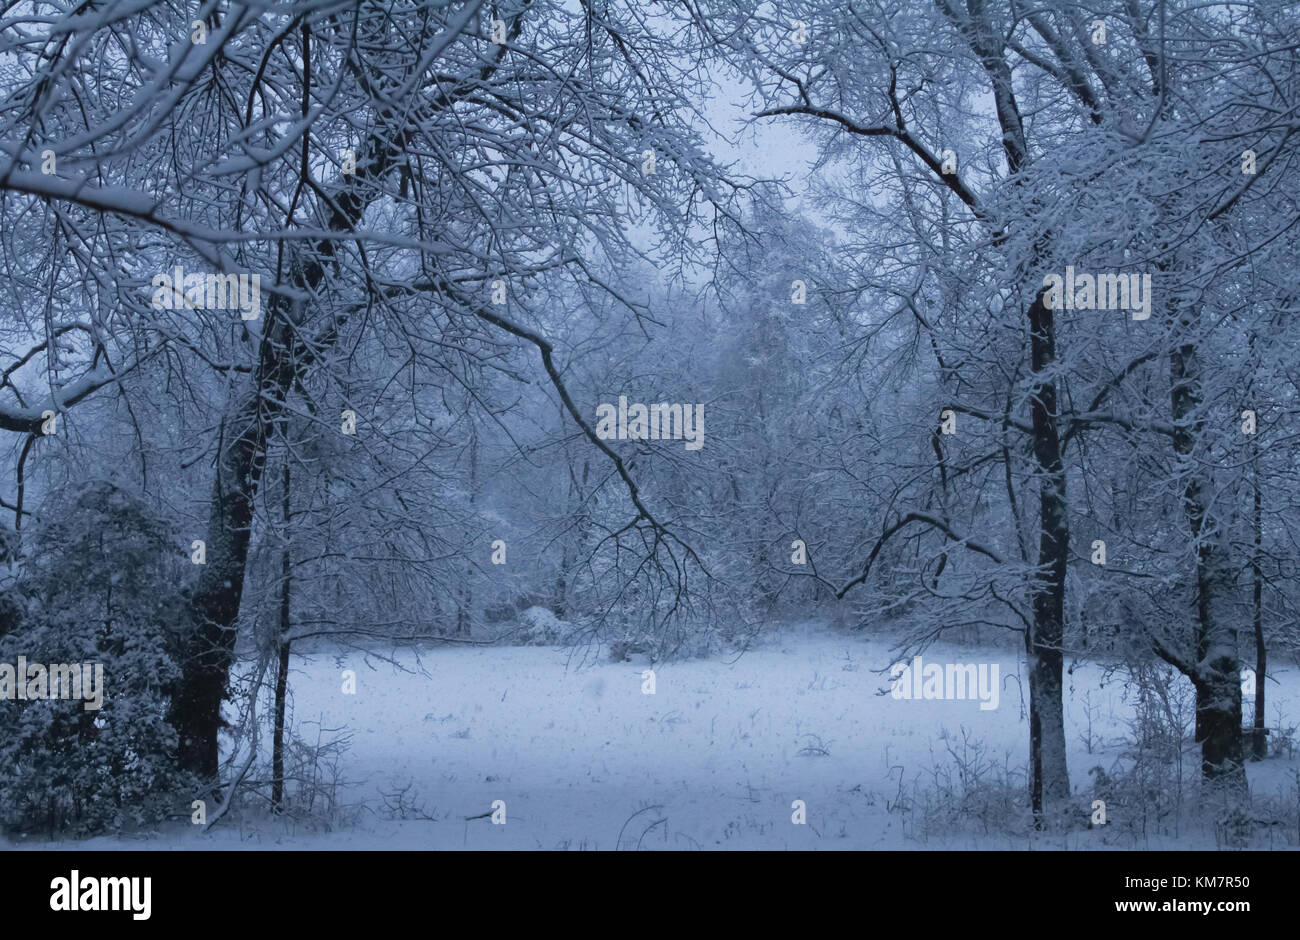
(205, 670)
(465, 602)
(196, 709)
(561, 584)
(1050, 784)
(282, 669)
(1050, 779)
(277, 752)
(241, 458)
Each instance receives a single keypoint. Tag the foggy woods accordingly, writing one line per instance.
(888, 406)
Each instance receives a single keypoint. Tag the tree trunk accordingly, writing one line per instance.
(465, 602)
(1216, 673)
(205, 670)
(1218, 689)
(282, 670)
(1050, 784)
(1050, 779)
(1259, 742)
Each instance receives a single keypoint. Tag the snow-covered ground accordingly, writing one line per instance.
(714, 759)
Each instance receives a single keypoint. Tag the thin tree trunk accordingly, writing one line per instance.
(1050, 779)
(1259, 749)
(282, 671)
(465, 603)
(1050, 786)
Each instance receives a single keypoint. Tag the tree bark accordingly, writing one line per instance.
(1216, 672)
(205, 670)
(196, 711)
(465, 602)
(1050, 779)
(1050, 785)
(282, 669)
(1259, 742)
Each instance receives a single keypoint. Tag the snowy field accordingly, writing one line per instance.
(714, 759)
